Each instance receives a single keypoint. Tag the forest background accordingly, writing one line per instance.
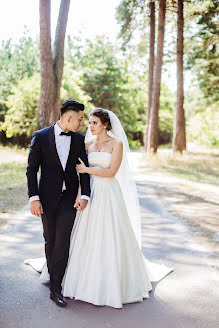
(112, 74)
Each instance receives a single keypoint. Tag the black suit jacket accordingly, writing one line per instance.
(43, 154)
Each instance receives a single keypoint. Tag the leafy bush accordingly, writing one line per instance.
(22, 115)
(16, 62)
(72, 87)
(203, 127)
(21, 118)
(166, 115)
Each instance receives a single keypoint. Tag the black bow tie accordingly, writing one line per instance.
(69, 133)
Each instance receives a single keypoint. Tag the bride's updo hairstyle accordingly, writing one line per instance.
(103, 116)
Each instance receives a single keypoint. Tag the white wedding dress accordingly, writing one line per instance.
(106, 265)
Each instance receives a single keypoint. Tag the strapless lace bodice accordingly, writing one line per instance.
(99, 159)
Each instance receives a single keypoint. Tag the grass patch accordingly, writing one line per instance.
(14, 149)
(13, 187)
(193, 166)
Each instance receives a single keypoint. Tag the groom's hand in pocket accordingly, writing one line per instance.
(36, 208)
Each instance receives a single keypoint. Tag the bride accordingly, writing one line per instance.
(106, 265)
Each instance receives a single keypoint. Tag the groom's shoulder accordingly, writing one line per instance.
(79, 135)
(42, 132)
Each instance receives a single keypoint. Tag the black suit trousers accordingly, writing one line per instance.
(57, 227)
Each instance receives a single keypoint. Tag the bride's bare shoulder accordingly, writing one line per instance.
(117, 144)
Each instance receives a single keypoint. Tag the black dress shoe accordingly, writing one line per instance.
(58, 299)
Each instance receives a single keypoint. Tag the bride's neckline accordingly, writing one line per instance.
(106, 152)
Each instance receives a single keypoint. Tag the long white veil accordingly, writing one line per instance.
(125, 174)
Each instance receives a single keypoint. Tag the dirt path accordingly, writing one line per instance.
(12, 155)
(186, 298)
(196, 204)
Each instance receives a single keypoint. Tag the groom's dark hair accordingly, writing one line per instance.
(71, 104)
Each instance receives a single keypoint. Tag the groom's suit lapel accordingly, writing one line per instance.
(53, 145)
(54, 149)
(71, 149)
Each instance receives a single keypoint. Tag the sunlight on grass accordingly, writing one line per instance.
(194, 166)
(13, 189)
(14, 148)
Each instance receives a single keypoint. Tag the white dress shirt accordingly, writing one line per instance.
(63, 144)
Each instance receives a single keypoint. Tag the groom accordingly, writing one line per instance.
(56, 150)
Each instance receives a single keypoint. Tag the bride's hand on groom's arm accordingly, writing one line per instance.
(36, 208)
(81, 168)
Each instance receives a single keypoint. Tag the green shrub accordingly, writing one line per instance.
(22, 115)
(203, 127)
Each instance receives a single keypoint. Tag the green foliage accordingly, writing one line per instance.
(202, 118)
(131, 15)
(16, 62)
(99, 74)
(72, 87)
(113, 81)
(203, 47)
(104, 74)
(23, 103)
(22, 115)
(166, 115)
(203, 127)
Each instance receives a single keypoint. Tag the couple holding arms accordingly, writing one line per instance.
(88, 203)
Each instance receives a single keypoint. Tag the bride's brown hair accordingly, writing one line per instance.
(103, 116)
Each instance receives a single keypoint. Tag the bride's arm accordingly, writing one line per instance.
(110, 172)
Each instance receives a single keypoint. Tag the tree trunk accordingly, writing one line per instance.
(46, 65)
(151, 66)
(154, 118)
(58, 53)
(179, 138)
(51, 65)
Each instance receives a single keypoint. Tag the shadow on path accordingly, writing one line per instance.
(185, 298)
